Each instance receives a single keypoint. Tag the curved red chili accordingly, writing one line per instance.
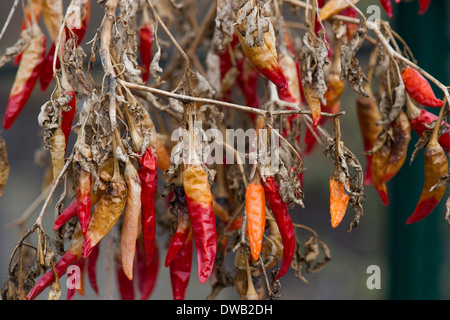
(387, 6)
(424, 4)
(92, 267)
(67, 117)
(147, 274)
(67, 214)
(180, 269)
(419, 88)
(125, 285)
(280, 213)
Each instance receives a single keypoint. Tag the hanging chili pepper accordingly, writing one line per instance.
(162, 156)
(255, 207)
(67, 214)
(338, 201)
(424, 4)
(67, 117)
(399, 146)
(131, 217)
(280, 213)
(387, 6)
(148, 174)
(26, 77)
(83, 182)
(292, 92)
(200, 205)
(92, 267)
(125, 285)
(436, 166)
(265, 59)
(70, 257)
(312, 99)
(419, 88)
(145, 45)
(147, 274)
(57, 152)
(378, 166)
(420, 118)
(183, 225)
(247, 80)
(71, 291)
(106, 212)
(180, 269)
(368, 114)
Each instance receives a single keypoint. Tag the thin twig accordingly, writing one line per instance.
(8, 20)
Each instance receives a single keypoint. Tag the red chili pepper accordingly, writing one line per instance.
(200, 204)
(148, 174)
(67, 214)
(180, 269)
(280, 213)
(147, 274)
(145, 45)
(70, 257)
(424, 4)
(92, 267)
(81, 263)
(67, 117)
(387, 6)
(419, 89)
(125, 285)
(183, 227)
(83, 185)
(26, 77)
(247, 80)
(436, 166)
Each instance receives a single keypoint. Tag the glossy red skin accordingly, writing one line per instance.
(16, 103)
(204, 229)
(420, 89)
(280, 213)
(424, 4)
(125, 285)
(148, 175)
(68, 259)
(92, 267)
(67, 214)
(425, 117)
(387, 6)
(180, 270)
(145, 49)
(182, 232)
(147, 274)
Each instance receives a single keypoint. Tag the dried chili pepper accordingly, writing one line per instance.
(125, 285)
(70, 257)
(162, 157)
(67, 214)
(333, 7)
(247, 80)
(183, 225)
(83, 182)
(338, 201)
(148, 174)
(147, 274)
(255, 207)
(92, 267)
(52, 12)
(26, 77)
(312, 99)
(436, 166)
(292, 92)
(57, 152)
(180, 269)
(67, 117)
(145, 45)
(368, 114)
(106, 212)
(419, 88)
(130, 222)
(200, 205)
(399, 146)
(424, 4)
(280, 213)
(81, 263)
(265, 59)
(387, 6)
(378, 166)
(420, 118)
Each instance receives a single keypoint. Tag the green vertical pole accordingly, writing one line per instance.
(415, 250)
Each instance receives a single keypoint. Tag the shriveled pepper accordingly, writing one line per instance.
(281, 214)
(378, 166)
(26, 77)
(67, 117)
(106, 212)
(312, 99)
(180, 269)
(399, 146)
(183, 225)
(419, 88)
(200, 205)
(436, 166)
(81, 263)
(147, 274)
(148, 174)
(131, 217)
(145, 45)
(57, 152)
(70, 257)
(255, 207)
(83, 183)
(368, 114)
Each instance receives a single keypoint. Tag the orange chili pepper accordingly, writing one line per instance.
(255, 207)
(419, 89)
(436, 166)
(338, 201)
(378, 166)
(313, 102)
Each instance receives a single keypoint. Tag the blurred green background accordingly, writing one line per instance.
(414, 260)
